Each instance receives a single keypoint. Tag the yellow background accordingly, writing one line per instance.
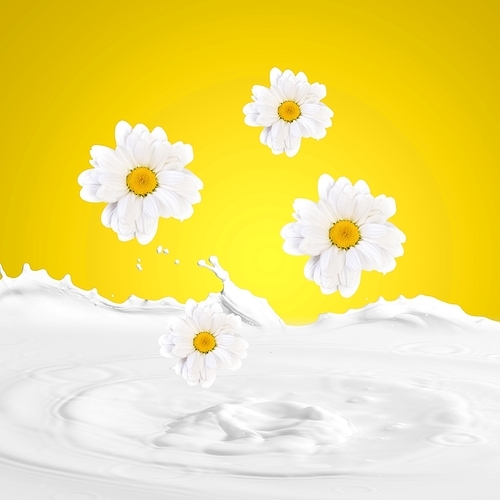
(414, 88)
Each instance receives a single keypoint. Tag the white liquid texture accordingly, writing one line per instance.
(398, 400)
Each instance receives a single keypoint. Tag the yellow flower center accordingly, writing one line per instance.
(344, 234)
(204, 342)
(289, 111)
(142, 181)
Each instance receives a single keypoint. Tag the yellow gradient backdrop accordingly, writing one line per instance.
(414, 88)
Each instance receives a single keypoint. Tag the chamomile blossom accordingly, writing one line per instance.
(142, 179)
(204, 341)
(289, 110)
(344, 233)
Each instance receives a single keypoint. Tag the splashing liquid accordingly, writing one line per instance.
(394, 400)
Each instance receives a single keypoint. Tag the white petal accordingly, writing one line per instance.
(373, 231)
(166, 351)
(391, 242)
(218, 320)
(167, 203)
(129, 208)
(110, 195)
(362, 205)
(158, 134)
(207, 379)
(308, 126)
(251, 116)
(342, 183)
(88, 177)
(125, 158)
(125, 236)
(331, 262)
(300, 204)
(318, 91)
(277, 147)
(150, 207)
(383, 208)
(223, 357)
(195, 361)
(354, 260)
(389, 264)
(295, 130)
(316, 234)
(372, 256)
(318, 112)
(311, 247)
(310, 267)
(183, 349)
(291, 246)
(191, 305)
(89, 193)
(210, 361)
(141, 131)
(325, 184)
(122, 131)
(167, 177)
(146, 229)
(265, 136)
(181, 152)
(112, 164)
(351, 277)
(328, 291)
(113, 181)
(344, 206)
(314, 216)
(251, 120)
(159, 153)
(301, 92)
(292, 146)
(362, 187)
(264, 96)
(142, 153)
(181, 181)
(130, 144)
(290, 230)
(100, 151)
(274, 76)
(280, 130)
(235, 362)
(239, 347)
(107, 214)
(329, 211)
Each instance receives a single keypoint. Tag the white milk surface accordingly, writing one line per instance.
(395, 401)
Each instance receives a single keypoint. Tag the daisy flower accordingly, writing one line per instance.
(205, 341)
(289, 110)
(344, 233)
(142, 179)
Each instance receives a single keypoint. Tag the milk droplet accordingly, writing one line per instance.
(139, 267)
(177, 261)
(165, 250)
(159, 249)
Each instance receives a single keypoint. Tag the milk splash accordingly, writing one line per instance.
(394, 400)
